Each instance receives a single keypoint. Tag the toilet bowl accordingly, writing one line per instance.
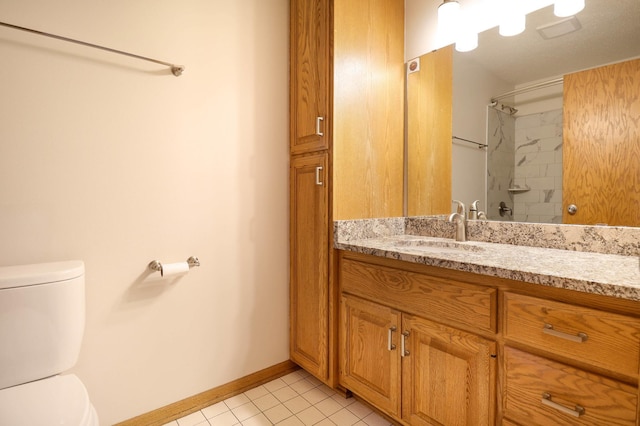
(57, 400)
(42, 314)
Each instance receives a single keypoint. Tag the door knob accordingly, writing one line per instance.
(572, 209)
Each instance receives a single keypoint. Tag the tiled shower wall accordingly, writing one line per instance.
(525, 152)
(538, 165)
(501, 132)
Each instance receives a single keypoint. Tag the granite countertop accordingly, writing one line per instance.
(599, 273)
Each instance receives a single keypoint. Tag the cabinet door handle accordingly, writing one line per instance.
(578, 338)
(390, 345)
(404, 351)
(319, 120)
(576, 412)
(318, 172)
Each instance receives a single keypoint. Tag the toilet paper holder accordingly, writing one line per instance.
(156, 265)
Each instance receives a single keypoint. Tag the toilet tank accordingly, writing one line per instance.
(42, 314)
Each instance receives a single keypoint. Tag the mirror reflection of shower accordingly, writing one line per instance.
(503, 107)
(524, 159)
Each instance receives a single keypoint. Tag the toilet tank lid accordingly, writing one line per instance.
(39, 273)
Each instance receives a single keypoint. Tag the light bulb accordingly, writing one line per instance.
(467, 42)
(467, 37)
(448, 13)
(512, 24)
(564, 8)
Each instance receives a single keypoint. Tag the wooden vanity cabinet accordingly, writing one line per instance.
(572, 366)
(346, 151)
(415, 369)
(480, 350)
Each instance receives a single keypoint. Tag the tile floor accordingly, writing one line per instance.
(296, 399)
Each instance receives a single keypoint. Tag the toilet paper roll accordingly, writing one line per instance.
(172, 269)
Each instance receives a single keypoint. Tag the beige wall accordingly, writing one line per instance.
(116, 162)
(473, 85)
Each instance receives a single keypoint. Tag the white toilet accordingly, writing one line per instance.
(42, 315)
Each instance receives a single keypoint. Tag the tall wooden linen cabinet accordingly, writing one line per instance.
(346, 151)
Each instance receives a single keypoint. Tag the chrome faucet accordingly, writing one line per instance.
(460, 220)
(475, 213)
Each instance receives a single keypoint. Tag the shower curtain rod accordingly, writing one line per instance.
(525, 89)
(175, 69)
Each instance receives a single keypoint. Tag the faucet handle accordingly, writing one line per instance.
(460, 208)
(474, 206)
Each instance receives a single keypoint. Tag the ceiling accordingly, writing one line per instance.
(610, 33)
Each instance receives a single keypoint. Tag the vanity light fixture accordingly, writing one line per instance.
(467, 37)
(467, 41)
(513, 20)
(564, 8)
(448, 15)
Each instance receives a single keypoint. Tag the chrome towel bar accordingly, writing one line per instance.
(480, 145)
(175, 69)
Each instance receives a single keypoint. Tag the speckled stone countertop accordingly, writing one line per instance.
(573, 258)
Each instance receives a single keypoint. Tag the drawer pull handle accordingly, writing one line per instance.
(576, 412)
(578, 338)
(390, 345)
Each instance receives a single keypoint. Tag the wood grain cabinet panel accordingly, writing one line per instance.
(601, 145)
(354, 117)
(427, 296)
(310, 86)
(603, 339)
(558, 357)
(539, 391)
(429, 132)
(417, 371)
(447, 375)
(309, 265)
(370, 364)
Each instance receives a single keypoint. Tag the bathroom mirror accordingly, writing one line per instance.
(604, 32)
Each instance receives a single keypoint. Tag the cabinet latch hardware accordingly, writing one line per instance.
(404, 351)
(318, 172)
(319, 120)
(390, 345)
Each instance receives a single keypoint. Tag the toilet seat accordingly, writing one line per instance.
(57, 400)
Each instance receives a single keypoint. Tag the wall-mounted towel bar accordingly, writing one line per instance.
(175, 69)
(480, 145)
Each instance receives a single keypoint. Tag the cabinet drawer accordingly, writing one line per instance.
(543, 392)
(436, 298)
(602, 339)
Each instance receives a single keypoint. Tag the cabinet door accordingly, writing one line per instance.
(447, 375)
(309, 275)
(369, 365)
(310, 75)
